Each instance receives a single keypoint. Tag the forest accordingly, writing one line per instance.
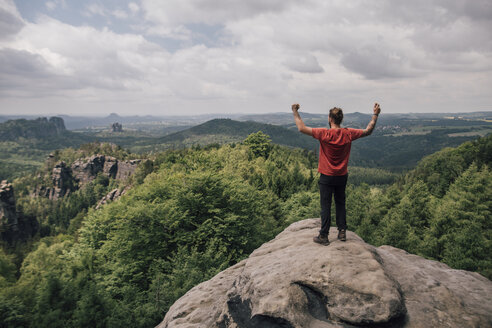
(189, 213)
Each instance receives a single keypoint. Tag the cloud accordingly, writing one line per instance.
(95, 9)
(227, 54)
(304, 64)
(134, 8)
(10, 20)
(118, 13)
(90, 58)
(176, 12)
(374, 63)
(51, 5)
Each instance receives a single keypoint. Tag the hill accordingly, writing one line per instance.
(25, 144)
(192, 213)
(396, 153)
(38, 128)
(223, 131)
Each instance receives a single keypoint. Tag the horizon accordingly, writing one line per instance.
(230, 57)
(232, 114)
(40, 115)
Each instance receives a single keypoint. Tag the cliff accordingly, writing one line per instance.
(38, 128)
(293, 282)
(13, 225)
(66, 179)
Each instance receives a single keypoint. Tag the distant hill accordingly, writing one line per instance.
(38, 128)
(24, 144)
(317, 120)
(227, 130)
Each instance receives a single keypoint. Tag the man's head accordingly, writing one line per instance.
(336, 114)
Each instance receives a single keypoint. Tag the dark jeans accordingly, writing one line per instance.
(332, 186)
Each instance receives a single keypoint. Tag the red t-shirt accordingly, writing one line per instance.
(334, 149)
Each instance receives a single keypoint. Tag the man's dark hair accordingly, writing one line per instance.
(337, 115)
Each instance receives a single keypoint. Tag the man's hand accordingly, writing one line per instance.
(299, 123)
(374, 119)
(377, 110)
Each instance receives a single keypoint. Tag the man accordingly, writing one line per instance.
(334, 152)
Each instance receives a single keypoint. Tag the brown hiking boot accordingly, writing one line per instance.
(342, 235)
(323, 240)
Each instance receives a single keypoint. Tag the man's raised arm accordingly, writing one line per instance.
(374, 119)
(299, 123)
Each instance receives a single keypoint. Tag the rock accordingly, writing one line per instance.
(117, 127)
(63, 183)
(66, 179)
(39, 128)
(86, 170)
(111, 196)
(58, 124)
(293, 282)
(8, 216)
(13, 226)
(126, 168)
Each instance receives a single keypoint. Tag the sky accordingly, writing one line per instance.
(187, 57)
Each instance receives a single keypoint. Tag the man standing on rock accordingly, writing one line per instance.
(334, 152)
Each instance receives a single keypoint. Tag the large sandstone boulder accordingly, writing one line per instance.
(293, 282)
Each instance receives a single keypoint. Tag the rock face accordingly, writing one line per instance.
(62, 181)
(85, 170)
(117, 127)
(13, 226)
(8, 215)
(293, 282)
(111, 196)
(67, 179)
(38, 128)
(58, 123)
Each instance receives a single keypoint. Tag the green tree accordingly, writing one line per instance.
(259, 143)
(462, 227)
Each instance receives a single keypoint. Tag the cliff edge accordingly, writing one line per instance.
(293, 282)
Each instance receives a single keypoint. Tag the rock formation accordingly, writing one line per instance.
(8, 215)
(13, 226)
(116, 127)
(85, 170)
(58, 124)
(66, 179)
(293, 282)
(62, 179)
(111, 196)
(39, 128)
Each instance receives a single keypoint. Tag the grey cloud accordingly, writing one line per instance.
(374, 63)
(22, 63)
(29, 74)
(459, 37)
(244, 8)
(304, 64)
(22, 72)
(178, 12)
(475, 9)
(10, 23)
